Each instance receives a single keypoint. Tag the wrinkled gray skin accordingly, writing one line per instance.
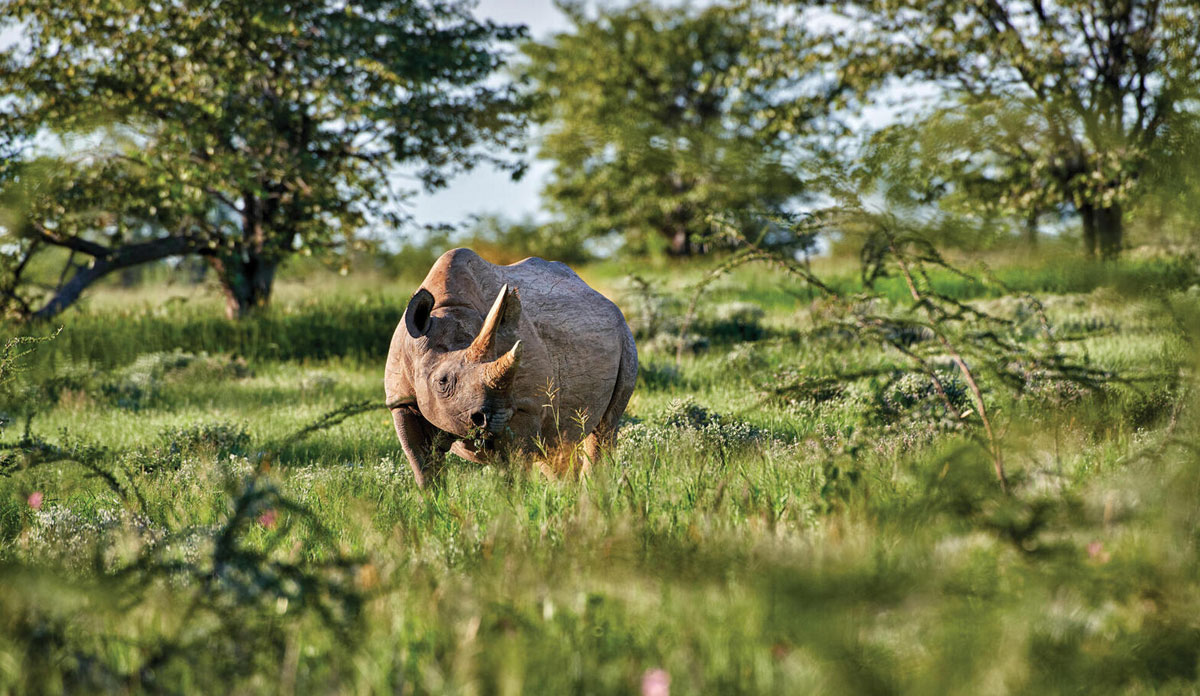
(447, 372)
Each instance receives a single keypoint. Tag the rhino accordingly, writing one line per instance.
(492, 357)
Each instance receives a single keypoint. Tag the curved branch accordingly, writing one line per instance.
(73, 243)
(114, 259)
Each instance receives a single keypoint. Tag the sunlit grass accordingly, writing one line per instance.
(741, 539)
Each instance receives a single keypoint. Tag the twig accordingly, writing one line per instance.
(997, 457)
(329, 419)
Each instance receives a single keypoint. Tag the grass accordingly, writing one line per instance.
(757, 530)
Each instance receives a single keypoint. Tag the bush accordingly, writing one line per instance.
(657, 375)
(733, 321)
(656, 319)
(139, 384)
(215, 439)
(912, 395)
(686, 421)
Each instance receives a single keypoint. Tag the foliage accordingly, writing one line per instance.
(508, 241)
(241, 132)
(253, 529)
(215, 439)
(652, 122)
(236, 590)
(933, 332)
(14, 393)
(1040, 107)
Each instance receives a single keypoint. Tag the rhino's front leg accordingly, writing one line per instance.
(417, 437)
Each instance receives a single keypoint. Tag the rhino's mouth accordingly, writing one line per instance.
(498, 421)
(487, 425)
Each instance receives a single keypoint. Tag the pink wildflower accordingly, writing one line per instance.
(1097, 553)
(267, 519)
(656, 682)
(35, 500)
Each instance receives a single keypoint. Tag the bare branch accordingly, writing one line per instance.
(72, 242)
(997, 455)
(122, 257)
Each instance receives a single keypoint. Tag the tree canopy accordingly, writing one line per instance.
(1042, 104)
(238, 131)
(656, 117)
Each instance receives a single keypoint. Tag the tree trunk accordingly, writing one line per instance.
(248, 272)
(246, 281)
(1088, 214)
(681, 242)
(1103, 230)
(1110, 228)
(1031, 229)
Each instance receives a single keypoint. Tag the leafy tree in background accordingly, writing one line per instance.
(1171, 206)
(949, 159)
(239, 131)
(503, 240)
(657, 117)
(1066, 104)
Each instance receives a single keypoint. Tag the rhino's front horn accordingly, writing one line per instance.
(499, 373)
(505, 311)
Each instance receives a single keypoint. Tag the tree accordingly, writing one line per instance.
(655, 118)
(503, 240)
(238, 131)
(1065, 103)
(952, 159)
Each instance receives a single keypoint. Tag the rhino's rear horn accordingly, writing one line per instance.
(500, 373)
(502, 318)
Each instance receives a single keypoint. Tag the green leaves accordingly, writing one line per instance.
(656, 118)
(1061, 107)
(245, 126)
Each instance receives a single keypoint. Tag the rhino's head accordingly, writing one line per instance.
(464, 391)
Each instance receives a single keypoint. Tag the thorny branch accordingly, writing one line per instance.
(997, 456)
(981, 333)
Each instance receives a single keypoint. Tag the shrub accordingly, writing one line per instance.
(221, 439)
(176, 445)
(733, 321)
(139, 385)
(657, 374)
(687, 422)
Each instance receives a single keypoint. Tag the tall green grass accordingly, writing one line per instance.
(357, 320)
(757, 530)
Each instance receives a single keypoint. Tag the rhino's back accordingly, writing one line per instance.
(552, 287)
(563, 307)
(550, 291)
(584, 333)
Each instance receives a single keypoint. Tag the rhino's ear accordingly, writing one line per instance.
(416, 317)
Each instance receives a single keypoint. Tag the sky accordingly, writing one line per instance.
(485, 190)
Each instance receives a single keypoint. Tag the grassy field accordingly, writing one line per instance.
(792, 508)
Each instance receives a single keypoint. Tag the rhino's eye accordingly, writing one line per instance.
(443, 383)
